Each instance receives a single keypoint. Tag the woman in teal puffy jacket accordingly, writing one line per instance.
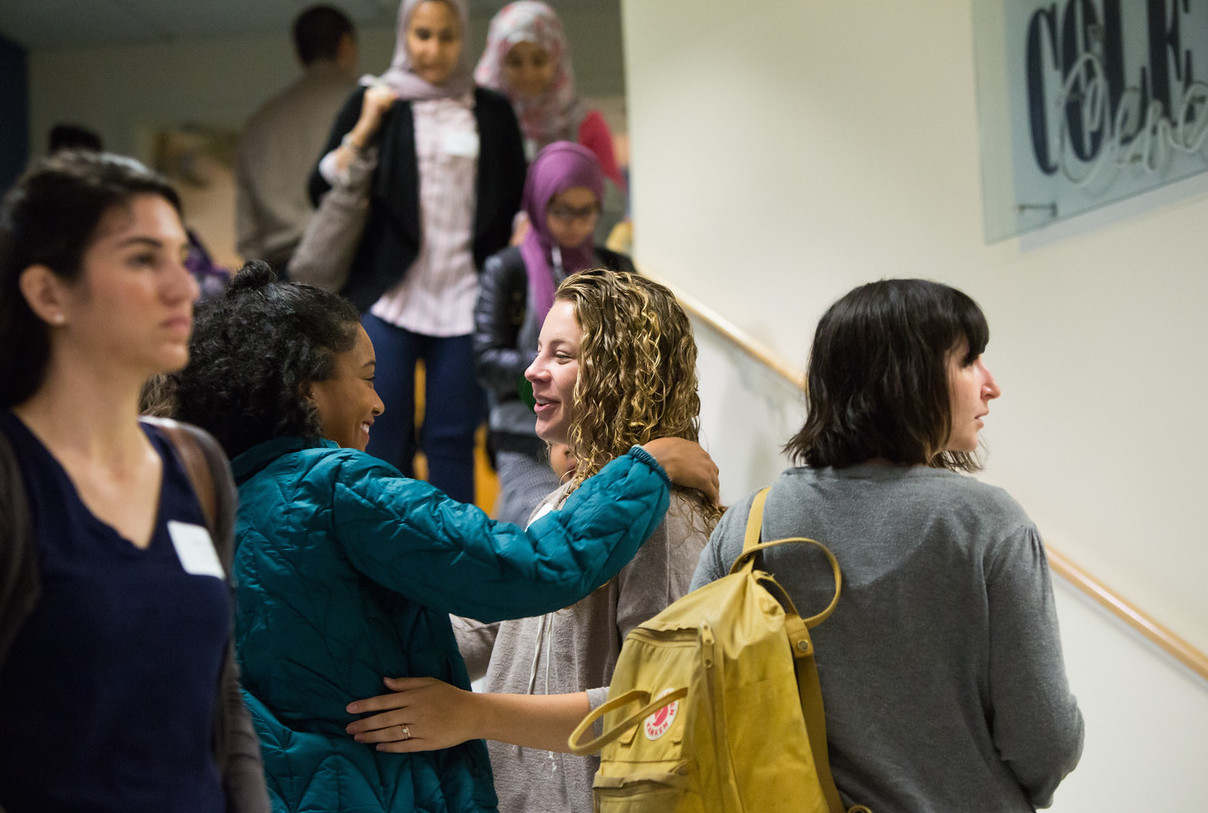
(346, 571)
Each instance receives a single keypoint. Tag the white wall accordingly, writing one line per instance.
(784, 153)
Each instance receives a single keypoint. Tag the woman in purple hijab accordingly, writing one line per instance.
(562, 197)
(449, 172)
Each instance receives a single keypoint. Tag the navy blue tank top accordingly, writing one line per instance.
(107, 699)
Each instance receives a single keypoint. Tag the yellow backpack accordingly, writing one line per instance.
(728, 710)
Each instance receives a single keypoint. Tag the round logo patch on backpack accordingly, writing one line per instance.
(659, 723)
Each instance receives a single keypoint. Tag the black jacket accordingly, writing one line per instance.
(392, 234)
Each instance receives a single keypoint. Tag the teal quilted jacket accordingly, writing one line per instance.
(346, 571)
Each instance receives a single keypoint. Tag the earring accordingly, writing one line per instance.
(58, 319)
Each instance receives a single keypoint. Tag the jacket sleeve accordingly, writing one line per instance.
(346, 119)
(1034, 718)
(498, 314)
(324, 254)
(410, 538)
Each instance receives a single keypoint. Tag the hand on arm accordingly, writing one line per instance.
(425, 714)
(687, 464)
(520, 228)
(374, 104)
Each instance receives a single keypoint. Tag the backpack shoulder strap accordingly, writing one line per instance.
(210, 475)
(810, 691)
(20, 582)
(193, 458)
(236, 747)
(808, 687)
(755, 519)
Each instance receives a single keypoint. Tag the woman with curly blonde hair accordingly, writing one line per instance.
(616, 364)
(636, 372)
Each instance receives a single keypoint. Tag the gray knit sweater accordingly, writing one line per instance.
(941, 667)
(573, 650)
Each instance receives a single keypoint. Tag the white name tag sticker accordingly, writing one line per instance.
(460, 143)
(195, 549)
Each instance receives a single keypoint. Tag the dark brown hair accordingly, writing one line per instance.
(877, 378)
(50, 217)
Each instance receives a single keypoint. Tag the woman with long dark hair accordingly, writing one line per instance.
(117, 682)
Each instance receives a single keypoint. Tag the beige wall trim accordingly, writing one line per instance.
(1185, 653)
(735, 336)
(1181, 650)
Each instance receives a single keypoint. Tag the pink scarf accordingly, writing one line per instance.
(556, 114)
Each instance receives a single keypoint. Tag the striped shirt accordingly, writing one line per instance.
(436, 295)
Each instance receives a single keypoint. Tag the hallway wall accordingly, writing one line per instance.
(784, 153)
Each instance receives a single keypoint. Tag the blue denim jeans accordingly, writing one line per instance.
(454, 405)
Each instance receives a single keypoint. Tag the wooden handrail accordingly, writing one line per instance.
(1175, 646)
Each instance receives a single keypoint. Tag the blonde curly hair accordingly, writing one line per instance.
(637, 370)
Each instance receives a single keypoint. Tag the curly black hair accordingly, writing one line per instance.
(253, 355)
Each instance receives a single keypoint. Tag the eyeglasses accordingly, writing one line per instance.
(568, 213)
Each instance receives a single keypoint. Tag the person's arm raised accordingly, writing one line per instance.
(410, 538)
(376, 101)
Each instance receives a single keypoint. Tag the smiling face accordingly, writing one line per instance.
(971, 387)
(554, 372)
(433, 41)
(528, 69)
(347, 402)
(132, 305)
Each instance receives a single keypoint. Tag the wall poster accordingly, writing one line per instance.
(1082, 103)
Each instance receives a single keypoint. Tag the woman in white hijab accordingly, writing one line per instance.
(450, 173)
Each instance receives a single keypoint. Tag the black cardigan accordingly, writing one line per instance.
(392, 234)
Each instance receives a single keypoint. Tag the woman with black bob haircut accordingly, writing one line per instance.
(878, 379)
(941, 667)
(117, 682)
(346, 570)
